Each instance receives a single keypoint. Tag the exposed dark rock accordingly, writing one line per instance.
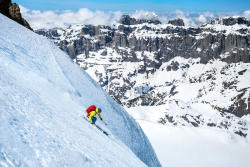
(162, 121)
(174, 66)
(241, 133)
(176, 22)
(127, 20)
(169, 118)
(183, 42)
(195, 124)
(12, 11)
(240, 107)
(242, 72)
(154, 21)
(211, 124)
(231, 21)
(4, 7)
(50, 33)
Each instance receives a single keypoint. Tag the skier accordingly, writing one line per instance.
(91, 114)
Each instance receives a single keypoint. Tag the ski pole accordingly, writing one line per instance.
(104, 123)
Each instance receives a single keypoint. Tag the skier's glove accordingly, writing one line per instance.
(101, 118)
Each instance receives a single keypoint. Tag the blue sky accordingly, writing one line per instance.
(62, 13)
(130, 5)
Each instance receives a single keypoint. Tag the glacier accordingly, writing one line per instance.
(43, 95)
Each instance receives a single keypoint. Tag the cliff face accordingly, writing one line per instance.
(207, 42)
(132, 59)
(12, 11)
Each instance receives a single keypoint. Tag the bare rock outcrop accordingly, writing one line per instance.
(12, 11)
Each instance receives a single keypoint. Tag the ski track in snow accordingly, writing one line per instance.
(42, 96)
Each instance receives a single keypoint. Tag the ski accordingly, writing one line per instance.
(98, 127)
(101, 129)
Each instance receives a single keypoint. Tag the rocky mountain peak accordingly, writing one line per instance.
(12, 11)
(4, 7)
(149, 64)
(127, 20)
(230, 21)
(176, 22)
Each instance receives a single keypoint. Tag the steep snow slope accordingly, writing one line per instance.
(209, 145)
(43, 94)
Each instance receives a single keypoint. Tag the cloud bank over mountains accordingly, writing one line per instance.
(50, 19)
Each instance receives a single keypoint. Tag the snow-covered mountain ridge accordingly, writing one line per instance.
(181, 114)
(42, 97)
(146, 63)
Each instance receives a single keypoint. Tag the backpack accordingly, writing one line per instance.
(91, 108)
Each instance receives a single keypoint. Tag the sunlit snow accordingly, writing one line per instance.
(42, 97)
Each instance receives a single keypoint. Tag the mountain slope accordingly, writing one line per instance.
(42, 96)
(194, 81)
(140, 62)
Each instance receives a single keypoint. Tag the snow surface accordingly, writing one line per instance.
(226, 29)
(197, 147)
(198, 88)
(42, 96)
(197, 82)
(183, 145)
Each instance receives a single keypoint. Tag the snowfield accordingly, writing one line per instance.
(179, 143)
(197, 147)
(42, 97)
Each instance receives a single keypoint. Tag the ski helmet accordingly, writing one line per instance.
(100, 110)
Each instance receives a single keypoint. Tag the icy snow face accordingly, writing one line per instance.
(42, 96)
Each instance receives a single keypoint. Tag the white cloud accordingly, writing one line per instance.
(142, 14)
(23, 9)
(204, 17)
(188, 21)
(163, 19)
(208, 14)
(201, 19)
(246, 14)
(51, 19)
